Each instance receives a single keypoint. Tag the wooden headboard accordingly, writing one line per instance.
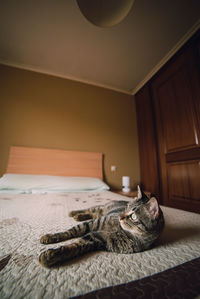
(27, 160)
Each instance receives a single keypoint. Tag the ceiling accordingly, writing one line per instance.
(53, 37)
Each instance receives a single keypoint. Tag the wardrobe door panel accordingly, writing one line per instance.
(183, 180)
(176, 107)
(176, 97)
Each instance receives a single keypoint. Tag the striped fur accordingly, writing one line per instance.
(119, 226)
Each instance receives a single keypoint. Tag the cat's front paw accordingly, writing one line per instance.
(47, 258)
(52, 257)
(47, 239)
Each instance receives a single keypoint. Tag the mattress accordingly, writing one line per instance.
(24, 218)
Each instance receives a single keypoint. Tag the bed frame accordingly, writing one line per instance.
(28, 160)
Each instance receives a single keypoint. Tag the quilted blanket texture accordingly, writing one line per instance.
(25, 217)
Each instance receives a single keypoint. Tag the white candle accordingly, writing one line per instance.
(125, 183)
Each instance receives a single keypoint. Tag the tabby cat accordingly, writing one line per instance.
(118, 226)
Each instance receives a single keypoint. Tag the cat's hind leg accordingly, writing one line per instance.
(91, 213)
(76, 212)
(81, 215)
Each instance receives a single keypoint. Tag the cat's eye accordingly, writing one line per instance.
(134, 217)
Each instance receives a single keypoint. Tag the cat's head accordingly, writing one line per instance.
(142, 215)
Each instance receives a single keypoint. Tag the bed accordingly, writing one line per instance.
(38, 190)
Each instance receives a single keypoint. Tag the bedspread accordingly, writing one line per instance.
(25, 217)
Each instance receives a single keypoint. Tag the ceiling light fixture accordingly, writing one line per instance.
(105, 13)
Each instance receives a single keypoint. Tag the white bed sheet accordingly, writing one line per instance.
(25, 217)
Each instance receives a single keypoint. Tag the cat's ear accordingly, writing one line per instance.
(141, 195)
(153, 207)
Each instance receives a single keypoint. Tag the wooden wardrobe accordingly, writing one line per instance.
(168, 118)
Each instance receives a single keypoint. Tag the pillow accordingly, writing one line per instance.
(28, 183)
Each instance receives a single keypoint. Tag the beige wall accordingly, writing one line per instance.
(44, 111)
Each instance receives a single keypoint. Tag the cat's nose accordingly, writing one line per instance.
(122, 216)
